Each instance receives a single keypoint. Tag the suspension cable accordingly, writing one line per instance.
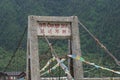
(101, 45)
(14, 53)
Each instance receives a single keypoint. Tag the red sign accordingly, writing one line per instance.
(54, 29)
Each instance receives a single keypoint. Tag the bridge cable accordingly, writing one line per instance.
(46, 52)
(101, 45)
(14, 53)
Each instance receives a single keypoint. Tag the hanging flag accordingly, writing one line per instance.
(53, 68)
(48, 63)
(93, 64)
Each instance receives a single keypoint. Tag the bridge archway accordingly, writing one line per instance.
(52, 27)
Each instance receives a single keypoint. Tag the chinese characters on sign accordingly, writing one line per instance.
(54, 29)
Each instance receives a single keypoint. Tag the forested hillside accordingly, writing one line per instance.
(101, 17)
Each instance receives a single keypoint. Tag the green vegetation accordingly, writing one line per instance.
(101, 17)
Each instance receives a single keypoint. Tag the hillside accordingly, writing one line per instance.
(101, 17)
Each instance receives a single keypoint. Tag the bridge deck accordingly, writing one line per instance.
(65, 78)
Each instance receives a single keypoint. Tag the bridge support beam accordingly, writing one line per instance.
(75, 44)
(32, 51)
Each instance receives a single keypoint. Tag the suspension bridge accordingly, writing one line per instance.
(53, 27)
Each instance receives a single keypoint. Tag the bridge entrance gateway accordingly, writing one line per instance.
(52, 27)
